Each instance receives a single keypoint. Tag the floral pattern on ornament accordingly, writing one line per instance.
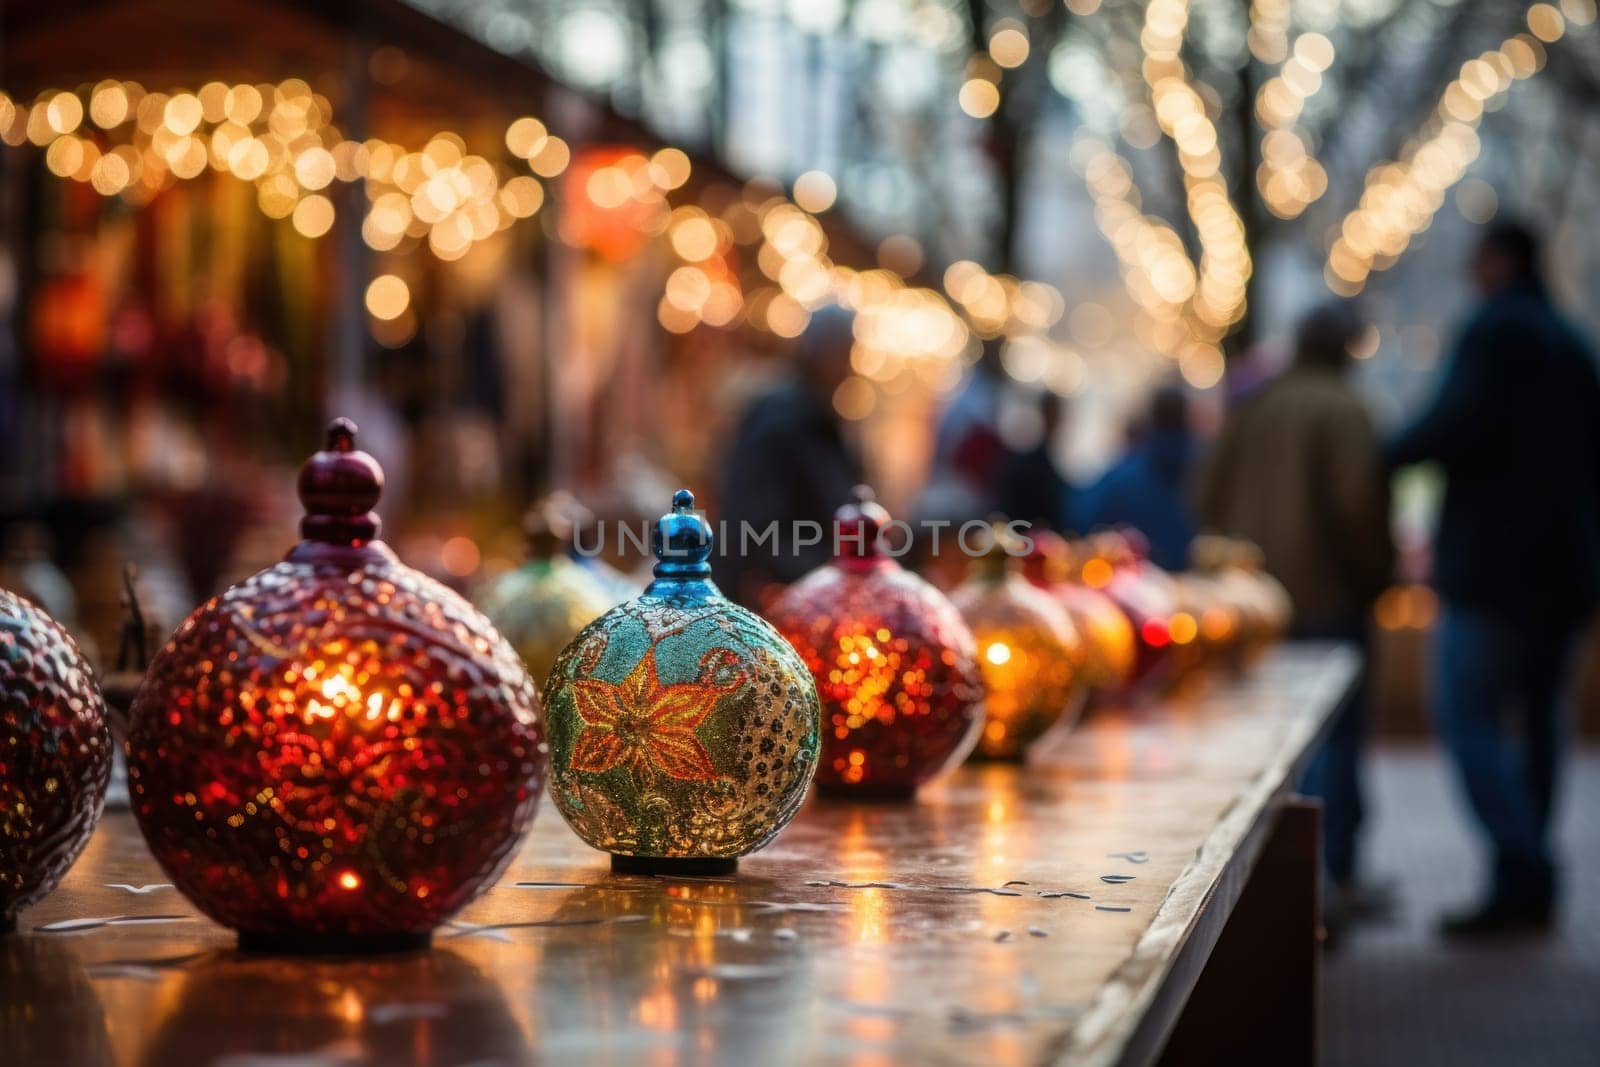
(643, 724)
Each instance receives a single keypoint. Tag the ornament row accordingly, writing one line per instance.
(339, 753)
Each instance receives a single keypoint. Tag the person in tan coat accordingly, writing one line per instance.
(1298, 469)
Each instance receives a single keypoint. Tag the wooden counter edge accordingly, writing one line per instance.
(1131, 1018)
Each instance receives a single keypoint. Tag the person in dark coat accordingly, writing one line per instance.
(1297, 470)
(789, 465)
(1029, 487)
(1148, 487)
(1515, 426)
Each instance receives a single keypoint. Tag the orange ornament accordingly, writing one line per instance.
(1030, 654)
(1109, 643)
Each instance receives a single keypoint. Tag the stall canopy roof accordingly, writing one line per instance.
(417, 74)
(425, 69)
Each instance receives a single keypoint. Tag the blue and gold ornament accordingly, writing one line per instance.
(683, 728)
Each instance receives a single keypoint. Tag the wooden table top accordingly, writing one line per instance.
(1011, 915)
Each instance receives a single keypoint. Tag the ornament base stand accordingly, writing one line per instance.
(675, 866)
(306, 944)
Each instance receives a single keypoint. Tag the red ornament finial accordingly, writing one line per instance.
(858, 526)
(339, 486)
(341, 435)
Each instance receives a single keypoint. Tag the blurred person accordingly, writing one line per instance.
(1298, 470)
(1515, 425)
(1148, 487)
(968, 449)
(1028, 486)
(789, 462)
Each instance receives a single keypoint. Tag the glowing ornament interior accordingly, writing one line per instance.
(1029, 653)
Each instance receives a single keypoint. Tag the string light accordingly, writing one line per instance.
(999, 305)
(1218, 302)
(899, 328)
(1400, 198)
(979, 97)
(790, 249)
(815, 191)
(1268, 36)
(1289, 178)
(1156, 271)
(282, 138)
(1008, 44)
(388, 297)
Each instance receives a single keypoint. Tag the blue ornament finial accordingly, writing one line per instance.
(682, 540)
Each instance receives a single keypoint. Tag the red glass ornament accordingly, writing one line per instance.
(55, 754)
(895, 665)
(339, 752)
(1145, 594)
